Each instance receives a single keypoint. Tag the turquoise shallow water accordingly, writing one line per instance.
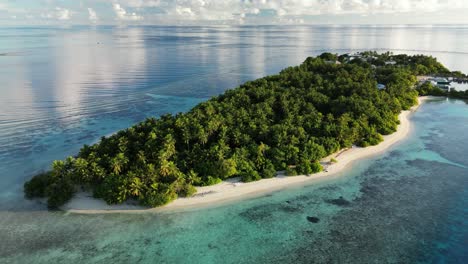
(64, 87)
(406, 206)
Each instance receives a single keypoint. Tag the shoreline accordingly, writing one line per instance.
(233, 189)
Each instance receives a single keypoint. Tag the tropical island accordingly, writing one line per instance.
(286, 122)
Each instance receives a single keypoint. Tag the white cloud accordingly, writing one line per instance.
(92, 15)
(184, 11)
(58, 13)
(62, 13)
(122, 14)
(144, 3)
(228, 9)
(233, 11)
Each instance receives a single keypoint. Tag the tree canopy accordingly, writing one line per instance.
(288, 121)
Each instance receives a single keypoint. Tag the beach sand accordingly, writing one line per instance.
(233, 189)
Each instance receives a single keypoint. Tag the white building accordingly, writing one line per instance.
(333, 62)
(381, 86)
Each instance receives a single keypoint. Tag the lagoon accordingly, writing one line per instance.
(64, 87)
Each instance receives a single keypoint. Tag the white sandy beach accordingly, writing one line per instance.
(234, 189)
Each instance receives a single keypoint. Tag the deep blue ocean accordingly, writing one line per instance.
(61, 88)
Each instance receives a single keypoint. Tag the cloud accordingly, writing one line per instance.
(144, 3)
(228, 9)
(58, 13)
(92, 15)
(122, 14)
(62, 13)
(184, 11)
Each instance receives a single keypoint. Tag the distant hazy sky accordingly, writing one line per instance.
(157, 12)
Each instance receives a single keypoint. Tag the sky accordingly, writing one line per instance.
(192, 12)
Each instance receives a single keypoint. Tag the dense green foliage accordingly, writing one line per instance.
(458, 94)
(287, 121)
(429, 89)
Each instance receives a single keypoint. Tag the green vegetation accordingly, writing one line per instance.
(458, 94)
(429, 89)
(333, 160)
(287, 121)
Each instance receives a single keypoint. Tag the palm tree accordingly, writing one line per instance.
(168, 149)
(81, 170)
(116, 166)
(182, 124)
(123, 143)
(58, 168)
(203, 136)
(136, 186)
(212, 125)
(118, 162)
(96, 172)
(192, 177)
(165, 168)
(141, 157)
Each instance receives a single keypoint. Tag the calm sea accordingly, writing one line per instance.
(61, 88)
